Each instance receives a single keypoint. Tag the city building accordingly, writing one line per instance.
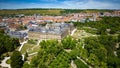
(51, 31)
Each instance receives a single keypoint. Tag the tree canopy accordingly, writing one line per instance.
(16, 60)
(8, 44)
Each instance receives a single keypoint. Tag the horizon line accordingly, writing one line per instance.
(56, 8)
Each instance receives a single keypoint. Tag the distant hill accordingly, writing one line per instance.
(45, 11)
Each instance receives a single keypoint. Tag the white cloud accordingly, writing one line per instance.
(91, 4)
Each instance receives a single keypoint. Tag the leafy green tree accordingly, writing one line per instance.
(101, 53)
(80, 64)
(26, 65)
(118, 52)
(25, 56)
(93, 60)
(107, 41)
(119, 38)
(61, 61)
(3, 49)
(34, 62)
(103, 65)
(74, 53)
(49, 50)
(112, 31)
(113, 62)
(68, 43)
(15, 42)
(16, 60)
(8, 44)
(102, 30)
(84, 54)
(102, 25)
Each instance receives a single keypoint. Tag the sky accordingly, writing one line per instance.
(65, 4)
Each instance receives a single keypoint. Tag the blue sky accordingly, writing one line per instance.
(67, 4)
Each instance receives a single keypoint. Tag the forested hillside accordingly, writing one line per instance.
(46, 11)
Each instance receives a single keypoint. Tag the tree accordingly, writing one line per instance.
(26, 65)
(74, 53)
(119, 38)
(80, 64)
(25, 56)
(2, 49)
(84, 54)
(113, 62)
(8, 44)
(49, 50)
(16, 42)
(118, 52)
(93, 60)
(103, 65)
(101, 53)
(61, 61)
(68, 42)
(16, 60)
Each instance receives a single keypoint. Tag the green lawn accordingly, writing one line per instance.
(34, 49)
(89, 30)
(8, 61)
(81, 34)
(30, 48)
(31, 41)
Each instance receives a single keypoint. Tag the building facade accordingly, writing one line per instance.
(51, 31)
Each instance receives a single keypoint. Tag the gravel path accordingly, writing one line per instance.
(32, 53)
(73, 64)
(22, 45)
(73, 32)
(4, 64)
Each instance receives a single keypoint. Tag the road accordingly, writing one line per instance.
(4, 64)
